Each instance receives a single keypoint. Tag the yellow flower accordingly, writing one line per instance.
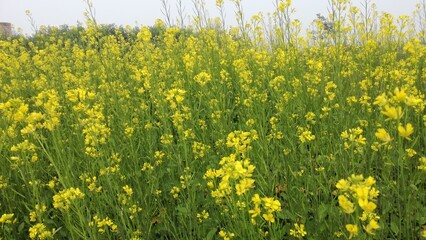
(371, 226)
(381, 100)
(244, 185)
(374, 193)
(366, 205)
(281, 6)
(7, 218)
(412, 101)
(3, 183)
(256, 199)
(128, 190)
(271, 205)
(269, 217)
(144, 34)
(298, 231)
(370, 181)
(202, 216)
(39, 210)
(226, 235)
(383, 135)
(175, 192)
(392, 112)
(352, 229)
(39, 231)
(129, 131)
(202, 78)
(361, 192)
(219, 3)
(343, 185)
(254, 212)
(103, 224)
(64, 198)
(422, 164)
(405, 132)
(345, 204)
(410, 152)
(306, 136)
(400, 95)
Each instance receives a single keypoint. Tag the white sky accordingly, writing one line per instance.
(144, 12)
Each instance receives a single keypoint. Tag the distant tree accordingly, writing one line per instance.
(327, 25)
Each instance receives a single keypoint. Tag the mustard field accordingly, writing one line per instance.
(257, 131)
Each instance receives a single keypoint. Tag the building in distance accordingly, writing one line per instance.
(5, 29)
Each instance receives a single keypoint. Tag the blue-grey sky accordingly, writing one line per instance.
(144, 12)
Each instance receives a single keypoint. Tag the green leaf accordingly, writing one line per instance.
(286, 214)
(394, 227)
(182, 210)
(412, 186)
(21, 227)
(322, 211)
(211, 234)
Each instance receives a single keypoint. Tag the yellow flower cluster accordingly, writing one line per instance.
(92, 183)
(95, 130)
(175, 192)
(175, 97)
(391, 105)
(125, 197)
(202, 78)
(64, 198)
(276, 83)
(330, 88)
(219, 3)
(357, 192)
(305, 135)
(298, 231)
(42, 112)
(147, 167)
(113, 165)
(50, 102)
(422, 165)
(353, 139)
(226, 235)
(37, 213)
(144, 35)
(166, 139)
(14, 110)
(202, 216)
(233, 169)
(3, 182)
(133, 210)
(265, 207)
(185, 178)
(283, 5)
(91, 118)
(199, 149)
(32, 119)
(103, 225)
(240, 141)
(7, 218)
(275, 133)
(52, 183)
(40, 232)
